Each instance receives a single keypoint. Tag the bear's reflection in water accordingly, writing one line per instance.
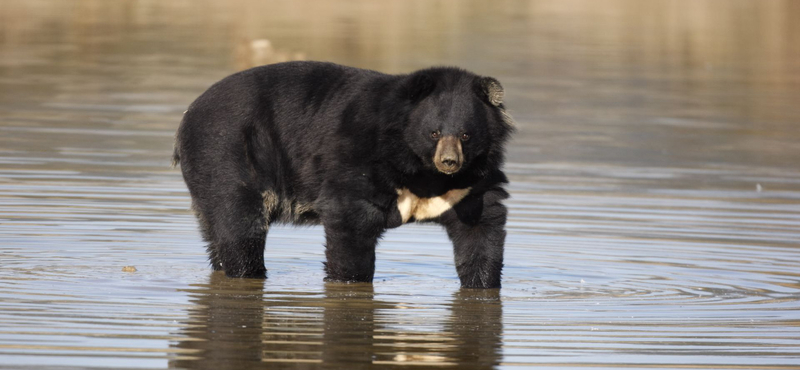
(237, 324)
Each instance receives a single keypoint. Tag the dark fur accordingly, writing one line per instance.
(328, 144)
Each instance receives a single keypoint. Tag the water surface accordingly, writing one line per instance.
(654, 218)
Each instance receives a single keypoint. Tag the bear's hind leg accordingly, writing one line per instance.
(213, 257)
(244, 258)
(208, 235)
(237, 231)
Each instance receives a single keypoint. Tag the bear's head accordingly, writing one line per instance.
(457, 121)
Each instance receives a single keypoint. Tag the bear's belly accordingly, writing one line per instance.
(421, 209)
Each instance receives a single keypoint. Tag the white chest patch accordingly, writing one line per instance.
(426, 208)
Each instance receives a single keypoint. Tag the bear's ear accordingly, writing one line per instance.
(419, 86)
(491, 90)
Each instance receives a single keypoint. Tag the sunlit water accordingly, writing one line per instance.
(655, 209)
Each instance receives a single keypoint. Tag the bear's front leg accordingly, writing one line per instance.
(476, 226)
(352, 229)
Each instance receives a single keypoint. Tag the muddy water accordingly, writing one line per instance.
(655, 210)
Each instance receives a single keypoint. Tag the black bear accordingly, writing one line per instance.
(354, 150)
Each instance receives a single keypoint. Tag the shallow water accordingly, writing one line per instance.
(655, 209)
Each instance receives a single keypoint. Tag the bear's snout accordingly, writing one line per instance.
(449, 157)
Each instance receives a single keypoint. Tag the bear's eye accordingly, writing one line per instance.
(465, 136)
(435, 135)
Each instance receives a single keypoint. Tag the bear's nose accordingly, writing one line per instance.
(448, 157)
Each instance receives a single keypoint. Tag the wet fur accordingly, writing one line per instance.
(319, 143)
